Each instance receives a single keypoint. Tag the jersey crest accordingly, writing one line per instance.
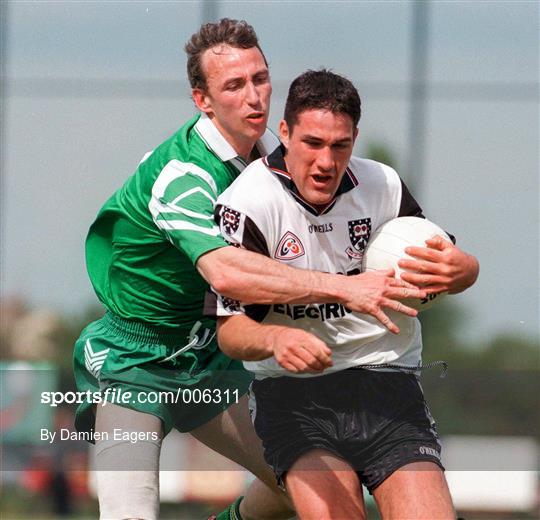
(359, 233)
(289, 247)
(230, 220)
(230, 305)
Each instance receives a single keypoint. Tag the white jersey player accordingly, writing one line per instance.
(283, 225)
(310, 205)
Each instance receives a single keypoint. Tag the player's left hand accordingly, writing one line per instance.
(439, 267)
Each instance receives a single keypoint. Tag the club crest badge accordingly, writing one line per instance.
(230, 305)
(289, 247)
(230, 220)
(359, 233)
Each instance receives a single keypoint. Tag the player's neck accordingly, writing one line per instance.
(246, 150)
(242, 145)
(254, 154)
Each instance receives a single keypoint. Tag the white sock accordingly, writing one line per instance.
(127, 476)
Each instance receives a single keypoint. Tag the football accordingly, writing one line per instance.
(387, 245)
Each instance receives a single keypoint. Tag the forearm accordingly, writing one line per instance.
(254, 278)
(242, 338)
(294, 349)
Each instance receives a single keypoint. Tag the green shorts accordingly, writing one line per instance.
(138, 366)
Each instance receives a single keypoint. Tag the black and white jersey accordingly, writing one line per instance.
(263, 211)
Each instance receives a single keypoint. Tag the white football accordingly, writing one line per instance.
(387, 245)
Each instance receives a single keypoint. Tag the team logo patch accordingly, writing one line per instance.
(230, 220)
(289, 247)
(230, 305)
(359, 233)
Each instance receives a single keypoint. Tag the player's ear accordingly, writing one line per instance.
(202, 100)
(284, 133)
(355, 135)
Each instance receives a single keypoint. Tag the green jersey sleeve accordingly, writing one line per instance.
(182, 207)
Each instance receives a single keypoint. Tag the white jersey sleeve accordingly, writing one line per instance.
(240, 215)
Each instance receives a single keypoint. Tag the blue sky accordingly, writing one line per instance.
(66, 153)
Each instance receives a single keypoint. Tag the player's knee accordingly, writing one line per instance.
(326, 494)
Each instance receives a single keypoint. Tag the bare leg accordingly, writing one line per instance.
(325, 487)
(232, 434)
(417, 491)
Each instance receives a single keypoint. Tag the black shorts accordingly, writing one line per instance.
(376, 421)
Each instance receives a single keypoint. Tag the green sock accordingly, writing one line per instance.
(231, 513)
(234, 509)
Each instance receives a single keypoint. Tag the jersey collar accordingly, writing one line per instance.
(276, 163)
(215, 141)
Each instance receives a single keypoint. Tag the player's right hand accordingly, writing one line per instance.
(372, 291)
(299, 351)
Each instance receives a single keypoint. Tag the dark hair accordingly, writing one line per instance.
(226, 31)
(324, 90)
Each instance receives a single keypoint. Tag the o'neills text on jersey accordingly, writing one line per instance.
(323, 228)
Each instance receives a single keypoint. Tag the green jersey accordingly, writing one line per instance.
(142, 249)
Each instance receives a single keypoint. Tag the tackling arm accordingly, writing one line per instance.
(254, 278)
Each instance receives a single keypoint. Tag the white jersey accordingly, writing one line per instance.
(264, 212)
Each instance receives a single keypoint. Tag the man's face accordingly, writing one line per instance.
(238, 92)
(319, 147)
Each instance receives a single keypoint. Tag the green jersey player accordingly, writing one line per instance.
(150, 253)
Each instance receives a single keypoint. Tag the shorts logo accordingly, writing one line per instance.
(426, 450)
(289, 247)
(93, 361)
(230, 220)
(359, 233)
